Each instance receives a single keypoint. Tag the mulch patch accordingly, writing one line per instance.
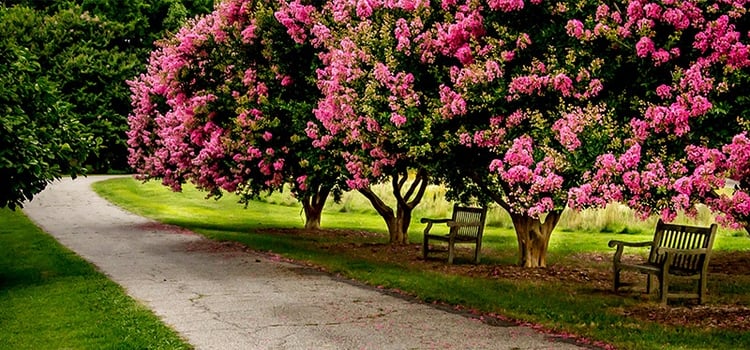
(596, 278)
(732, 317)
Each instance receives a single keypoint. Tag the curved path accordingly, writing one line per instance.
(234, 299)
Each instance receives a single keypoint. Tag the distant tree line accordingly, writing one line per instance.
(65, 101)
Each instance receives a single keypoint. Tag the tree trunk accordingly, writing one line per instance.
(312, 204)
(533, 238)
(532, 234)
(398, 222)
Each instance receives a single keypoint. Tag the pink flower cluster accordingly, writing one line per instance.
(295, 17)
(201, 112)
(536, 186)
(573, 123)
(700, 48)
(453, 39)
(715, 37)
(674, 188)
(625, 179)
(711, 169)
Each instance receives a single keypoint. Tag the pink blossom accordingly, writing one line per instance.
(563, 83)
(660, 57)
(632, 157)
(518, 174)
(364, 9)
(302, 182)
(496, 165)
(575, 28)
(664, 91)
(506, 5)
(644, 47)
(248, 34)
(286, 80)
(602, 12)
(516, 118)
(520, 153)
(453, 103)
(652, 10)
(676, 18)
(523, 41)
(508, 56)
(398, 119)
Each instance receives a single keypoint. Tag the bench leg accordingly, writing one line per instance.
(616, 273)
(702, 289)
(663, 288)
(451, 253)
(425, 247)
(476, 252)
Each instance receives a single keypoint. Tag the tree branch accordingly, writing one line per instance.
(383, 209)
(421, 180)
(495, 197)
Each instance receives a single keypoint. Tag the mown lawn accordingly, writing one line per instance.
(571, 297)
(52, 299)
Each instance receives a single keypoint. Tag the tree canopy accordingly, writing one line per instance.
(533, 105)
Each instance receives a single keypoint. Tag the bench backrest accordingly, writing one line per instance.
(683, 237)
(468, 215)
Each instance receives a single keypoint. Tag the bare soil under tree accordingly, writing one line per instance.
(591, 270)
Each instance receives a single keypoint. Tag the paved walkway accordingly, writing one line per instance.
(220, 299)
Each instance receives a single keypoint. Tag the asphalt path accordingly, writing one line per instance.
(220, 297)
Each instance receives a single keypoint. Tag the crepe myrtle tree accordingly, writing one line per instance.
(628, 101)
(524, 110)
(371, 114)
(485, 92)
(224, 105)
(692, 133)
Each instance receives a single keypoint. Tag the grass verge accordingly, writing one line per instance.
(52, 299)
(570, 297)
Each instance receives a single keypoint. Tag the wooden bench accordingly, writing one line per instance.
(677, 251)
(466, 226)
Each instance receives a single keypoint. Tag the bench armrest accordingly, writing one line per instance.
(434, 221)
(619, 244)
(430, 222)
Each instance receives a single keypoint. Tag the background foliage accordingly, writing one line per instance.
(89, 49)
(63, 67)
(40, 139)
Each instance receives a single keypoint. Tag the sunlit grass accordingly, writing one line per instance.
(563, 306)
(586, 231)
(52, 299)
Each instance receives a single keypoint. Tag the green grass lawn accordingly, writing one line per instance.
(52, 299)
(563, 307)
